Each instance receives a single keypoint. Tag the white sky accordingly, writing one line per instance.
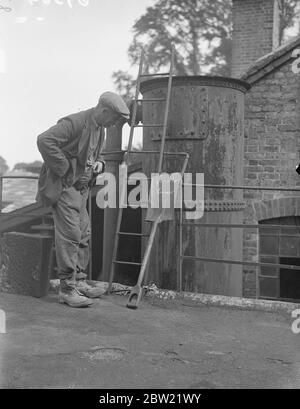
(56, 60)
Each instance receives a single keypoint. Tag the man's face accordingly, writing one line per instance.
(106, 116)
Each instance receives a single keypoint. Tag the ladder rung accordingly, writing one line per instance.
(149, 126)
(124, 233)
(127, 262)
(151, 99)
(155, 75)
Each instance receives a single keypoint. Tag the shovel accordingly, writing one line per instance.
(156, 216)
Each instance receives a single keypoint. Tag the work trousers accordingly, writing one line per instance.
(72, 234)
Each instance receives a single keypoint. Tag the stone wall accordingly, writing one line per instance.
(24, 263)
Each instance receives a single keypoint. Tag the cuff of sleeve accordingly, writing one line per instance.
(103, 164)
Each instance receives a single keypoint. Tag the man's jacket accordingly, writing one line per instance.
(65, 148)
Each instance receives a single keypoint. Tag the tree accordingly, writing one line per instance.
(3, 166)
(33, 167)
(125, 84)
(288, 11)
(5, 8)
(200, 31)
(190, 25)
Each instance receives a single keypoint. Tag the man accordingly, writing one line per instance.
(71, 150)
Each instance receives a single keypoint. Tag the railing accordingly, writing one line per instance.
(32, 214)
(183, 257)
(11, 177)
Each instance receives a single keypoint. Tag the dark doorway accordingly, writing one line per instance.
(290, 279)
(280, 245)
(129, 246)
(97, 237)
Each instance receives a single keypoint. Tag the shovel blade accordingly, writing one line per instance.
(134, 297)
(159, 214)
(162, 213)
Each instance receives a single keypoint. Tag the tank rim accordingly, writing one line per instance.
(178, 80)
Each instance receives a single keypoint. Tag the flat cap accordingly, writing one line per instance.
(115, 103)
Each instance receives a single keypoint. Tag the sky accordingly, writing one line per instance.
(56, 58)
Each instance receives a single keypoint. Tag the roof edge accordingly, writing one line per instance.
(269, 62)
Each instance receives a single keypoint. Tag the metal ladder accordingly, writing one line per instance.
(136, 292)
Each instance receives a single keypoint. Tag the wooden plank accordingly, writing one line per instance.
(10, 221)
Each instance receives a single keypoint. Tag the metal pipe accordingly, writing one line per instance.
(18, 177)
(133, 118)
(252, 226)
(246, 263)
(185, 163)
(283, 189)
(163, 139)
(151, 152)
(180, 248)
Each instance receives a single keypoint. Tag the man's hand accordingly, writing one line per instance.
(98, 167)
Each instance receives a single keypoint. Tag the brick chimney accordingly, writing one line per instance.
(255, 32)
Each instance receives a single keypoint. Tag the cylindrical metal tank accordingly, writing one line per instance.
(206, 120)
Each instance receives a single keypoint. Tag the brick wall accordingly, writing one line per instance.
(252, 32)
(272, 147)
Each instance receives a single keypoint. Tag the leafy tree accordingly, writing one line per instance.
(3, 166)
(190, 25)
(200, 31)
(125, 84)
(288, 10)
(33, 167)
(5, 8)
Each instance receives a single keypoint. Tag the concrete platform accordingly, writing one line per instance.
(160, 345)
